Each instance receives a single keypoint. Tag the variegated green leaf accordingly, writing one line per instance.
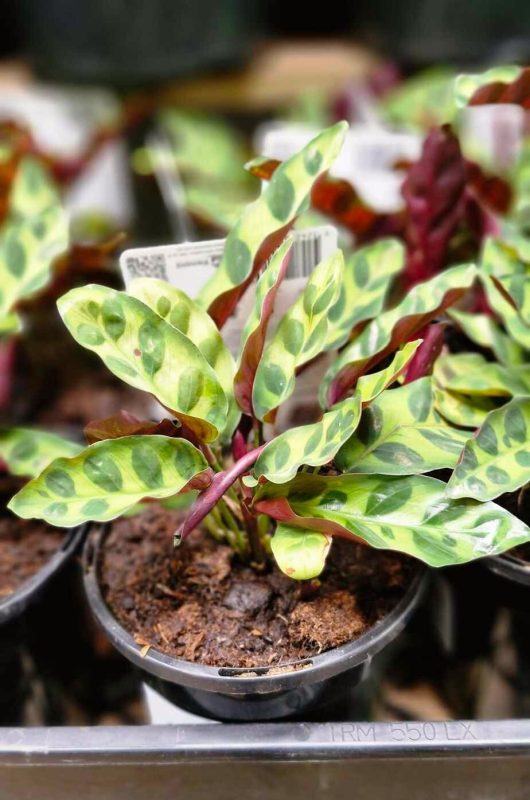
(484, 331)
(471, 374)
(517, 287)
(507, 283)
(26, 451)
(107, 478)
(384, 334)
(370, 386)
(185, 315)
(513, 238)
(368, 276)
(520, 210)
(497, 459)
(317, 444)
(277, 207)
(145, 351)
(203, 145)
(466, 85)
(33, 190)
(463, 410)
(220, 210)
(410, 514)
(500, 258)
(35, 232)
(498, 293)
(299, 337)
(255, 330)
(300, 554)
(422, 101)
(401, 433)
(313, 445)
(10, 324)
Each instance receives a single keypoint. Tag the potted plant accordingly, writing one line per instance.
(31, 552)
(33, 234)
(42, 255)
(255, 611)
(485, 389)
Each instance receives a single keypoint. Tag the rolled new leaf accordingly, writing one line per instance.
(299, 337)
(26, 451)
(497, 459)
(401, 433)
(384, 334)
(274, 211)
(411, 514)
(312, 445)
(300, 554)
(255, 330)
(185, 315)
(145, 351)
(108, 478)
(368, 276)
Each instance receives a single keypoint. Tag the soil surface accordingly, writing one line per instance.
(200, 603)
(25, 546)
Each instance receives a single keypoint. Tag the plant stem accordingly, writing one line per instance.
(257, 551)
(234, 537)
(220, 485)
(214, 529)
(258, 431)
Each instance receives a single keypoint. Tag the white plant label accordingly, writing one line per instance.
(189, 265)
(366, 160)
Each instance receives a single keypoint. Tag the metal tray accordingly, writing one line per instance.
(349, 758)
(458, 759)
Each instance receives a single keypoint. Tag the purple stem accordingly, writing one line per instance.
(221, 482)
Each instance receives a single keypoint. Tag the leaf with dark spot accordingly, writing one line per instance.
(409, 514)
(497, 459)
(108, 478)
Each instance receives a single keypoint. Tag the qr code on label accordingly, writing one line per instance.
(151, 266)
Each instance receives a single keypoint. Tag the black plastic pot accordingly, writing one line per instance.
(513, 572)
(16, 603)
(18, 628)
(128, 44)
(448, 31)
(261, 694)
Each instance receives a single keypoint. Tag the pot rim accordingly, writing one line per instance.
(510, 569)
(238, 681)
(16, 603)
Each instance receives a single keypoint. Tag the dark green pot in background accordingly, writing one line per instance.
(422, 32)
(130, 43)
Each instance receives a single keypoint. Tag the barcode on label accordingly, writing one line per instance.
(307, 253)
(188, 266)
(147, 266)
